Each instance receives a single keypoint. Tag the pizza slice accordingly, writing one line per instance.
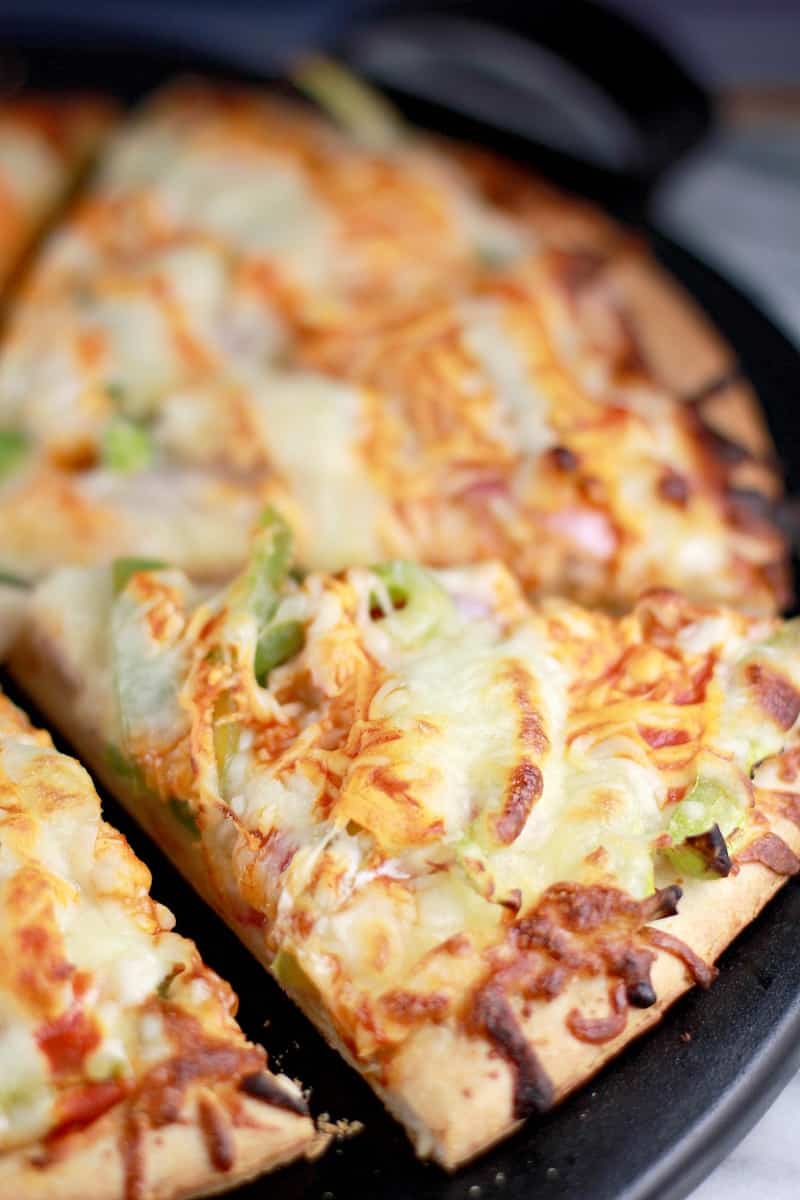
(482, 844)
(465, 432)
(44, 143)
(407, 355)
(122, 1070)
(633, 305)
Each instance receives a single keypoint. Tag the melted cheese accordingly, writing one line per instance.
(148, 662)
(110, 937)
(446, 762)
(410, 773)
(266, 208)
(25, 1093)
(494, 236)
(311, 428)
(71, 610)
(524, 406)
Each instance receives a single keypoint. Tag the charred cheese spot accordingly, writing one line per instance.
(775, 694)
(674, 488)
(446, 804)
(218, 1133)
(524, 789)
(563, 458)
(493, 1016)
(601, 1029)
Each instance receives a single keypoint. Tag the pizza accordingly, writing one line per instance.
(411, 348)
(122, 1070)
(44, 143)
(481, 842)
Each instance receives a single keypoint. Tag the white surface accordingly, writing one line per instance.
(766, 1164)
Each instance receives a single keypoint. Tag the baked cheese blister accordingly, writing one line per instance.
(123, 1074)
(482, 844)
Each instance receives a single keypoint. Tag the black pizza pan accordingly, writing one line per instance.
(655, 1121)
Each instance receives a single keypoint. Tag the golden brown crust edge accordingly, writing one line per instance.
(175, 1165)
(452, 1091)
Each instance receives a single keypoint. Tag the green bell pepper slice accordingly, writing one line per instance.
(258, 591)
(123, 569)
(699, 827)
(126, 446)
(419, 604)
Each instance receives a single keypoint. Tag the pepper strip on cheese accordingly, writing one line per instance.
(456, 827)
(121, 1064)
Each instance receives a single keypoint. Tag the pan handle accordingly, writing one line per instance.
(576, 78)
(581, 83)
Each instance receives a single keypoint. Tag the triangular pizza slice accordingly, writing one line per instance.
(481, 843)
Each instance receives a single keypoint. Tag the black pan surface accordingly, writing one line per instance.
(655, 1121)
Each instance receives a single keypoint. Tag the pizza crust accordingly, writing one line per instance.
(732, 410)
(672, 341)
(175, 1161)
(33, 662)
(451, 1090)
(678, 342)
(454, 1094)
(456, 1091)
